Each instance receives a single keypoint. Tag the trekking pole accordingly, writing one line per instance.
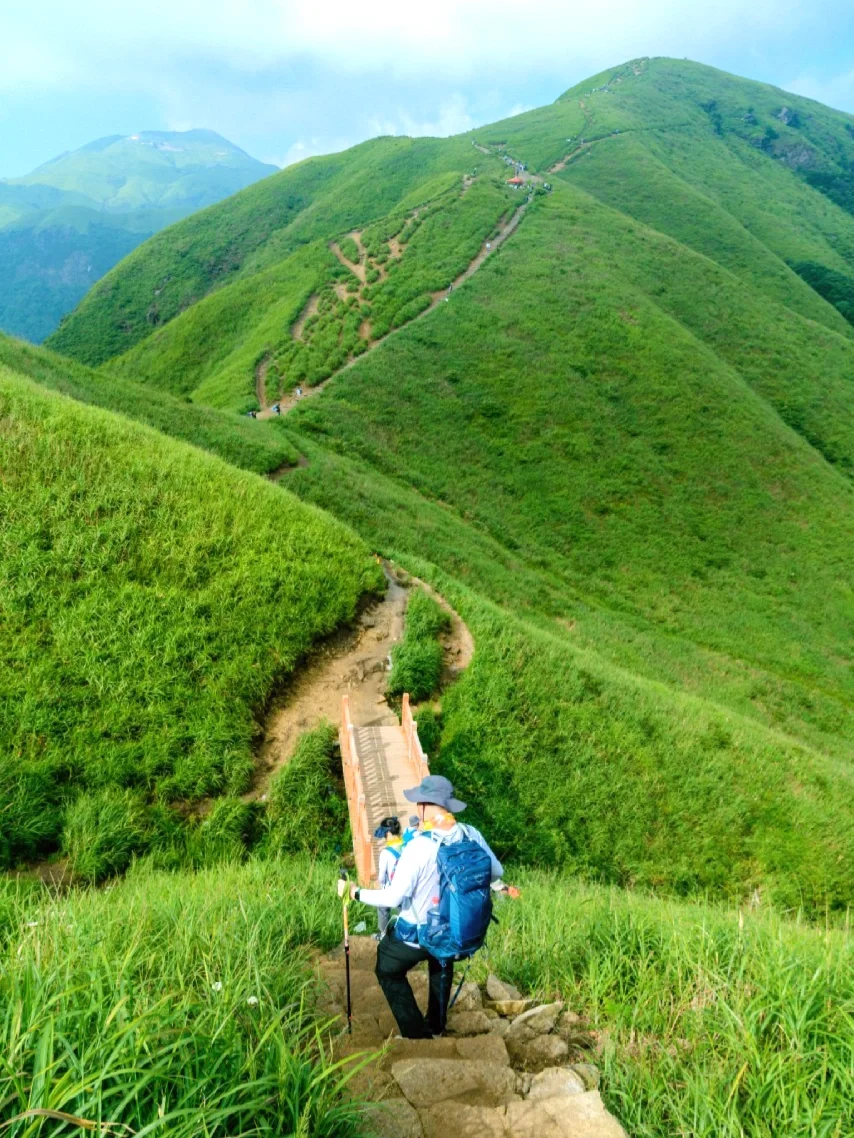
(344, 894)
(459, 986)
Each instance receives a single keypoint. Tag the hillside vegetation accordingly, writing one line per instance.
(260, 447)
(151, 599)
(320, 198)
(307, 317)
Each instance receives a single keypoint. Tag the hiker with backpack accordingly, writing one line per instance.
(389, 832)
(443, 884)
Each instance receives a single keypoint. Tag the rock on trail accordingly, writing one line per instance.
(468, 1083)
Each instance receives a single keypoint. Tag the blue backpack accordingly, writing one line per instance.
(457, 926)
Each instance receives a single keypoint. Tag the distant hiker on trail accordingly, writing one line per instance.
(252, 414)
(436, 923)
(299, 391)
(276, 409)
(389, 832)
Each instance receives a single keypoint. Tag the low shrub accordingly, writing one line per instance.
(29, 818)
(226, 834)
(416, 667)
(430, 730)
(425, 617)
(306, 810)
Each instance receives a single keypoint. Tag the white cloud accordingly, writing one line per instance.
(453, 117)
(835, 91)
(98, 42)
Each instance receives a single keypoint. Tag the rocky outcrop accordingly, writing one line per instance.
(507, 1067)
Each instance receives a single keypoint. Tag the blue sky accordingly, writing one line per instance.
(285, 80)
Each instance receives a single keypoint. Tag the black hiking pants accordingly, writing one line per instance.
(394, 960)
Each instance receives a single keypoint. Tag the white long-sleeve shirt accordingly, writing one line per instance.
(415, 888)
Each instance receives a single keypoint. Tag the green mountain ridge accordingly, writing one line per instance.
(66, 223)
(623, 447)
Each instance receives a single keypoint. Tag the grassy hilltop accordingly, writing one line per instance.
(152, 597)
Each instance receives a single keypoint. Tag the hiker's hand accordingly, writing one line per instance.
(513, 893)
(342, 885)
(354, 889)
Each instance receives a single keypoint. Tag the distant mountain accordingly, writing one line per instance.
(70, 220)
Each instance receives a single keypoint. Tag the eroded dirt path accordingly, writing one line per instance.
(261, 382)
(357, 268)
(355, 663)
(306, 314)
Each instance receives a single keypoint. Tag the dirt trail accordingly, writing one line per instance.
(564, 162)
(353, 662)
(357, 268)
(306, 314)
(290, 401)
(261, 381)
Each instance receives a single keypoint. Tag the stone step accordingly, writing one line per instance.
(492, 1075)
(425, 1082)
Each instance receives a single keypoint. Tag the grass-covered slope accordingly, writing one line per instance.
(734, 169)
(593, 447)
(192, 1017)
(305, 317)
(151, 597)
(318, 198)
(259, 447)
(632, 429)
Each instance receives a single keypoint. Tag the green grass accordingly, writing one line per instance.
(132, 1004)
(171, 1004)
(305, 810)
(711, 1023)
(257, 446)
(416, 662)
(573, 762)
(211, 352)
(151, 599)
(614, 450)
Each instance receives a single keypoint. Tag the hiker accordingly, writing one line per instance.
(429, 913)
(252, 414)
(299, 391)
(388, 831)
(276, 409)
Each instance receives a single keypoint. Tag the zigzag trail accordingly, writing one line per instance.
(288, 402)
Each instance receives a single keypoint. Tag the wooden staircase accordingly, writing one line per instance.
(379, 764)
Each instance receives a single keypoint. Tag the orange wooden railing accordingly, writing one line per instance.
(356, 797)
(414, 751)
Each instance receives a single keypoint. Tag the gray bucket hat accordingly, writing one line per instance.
(436, 790)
